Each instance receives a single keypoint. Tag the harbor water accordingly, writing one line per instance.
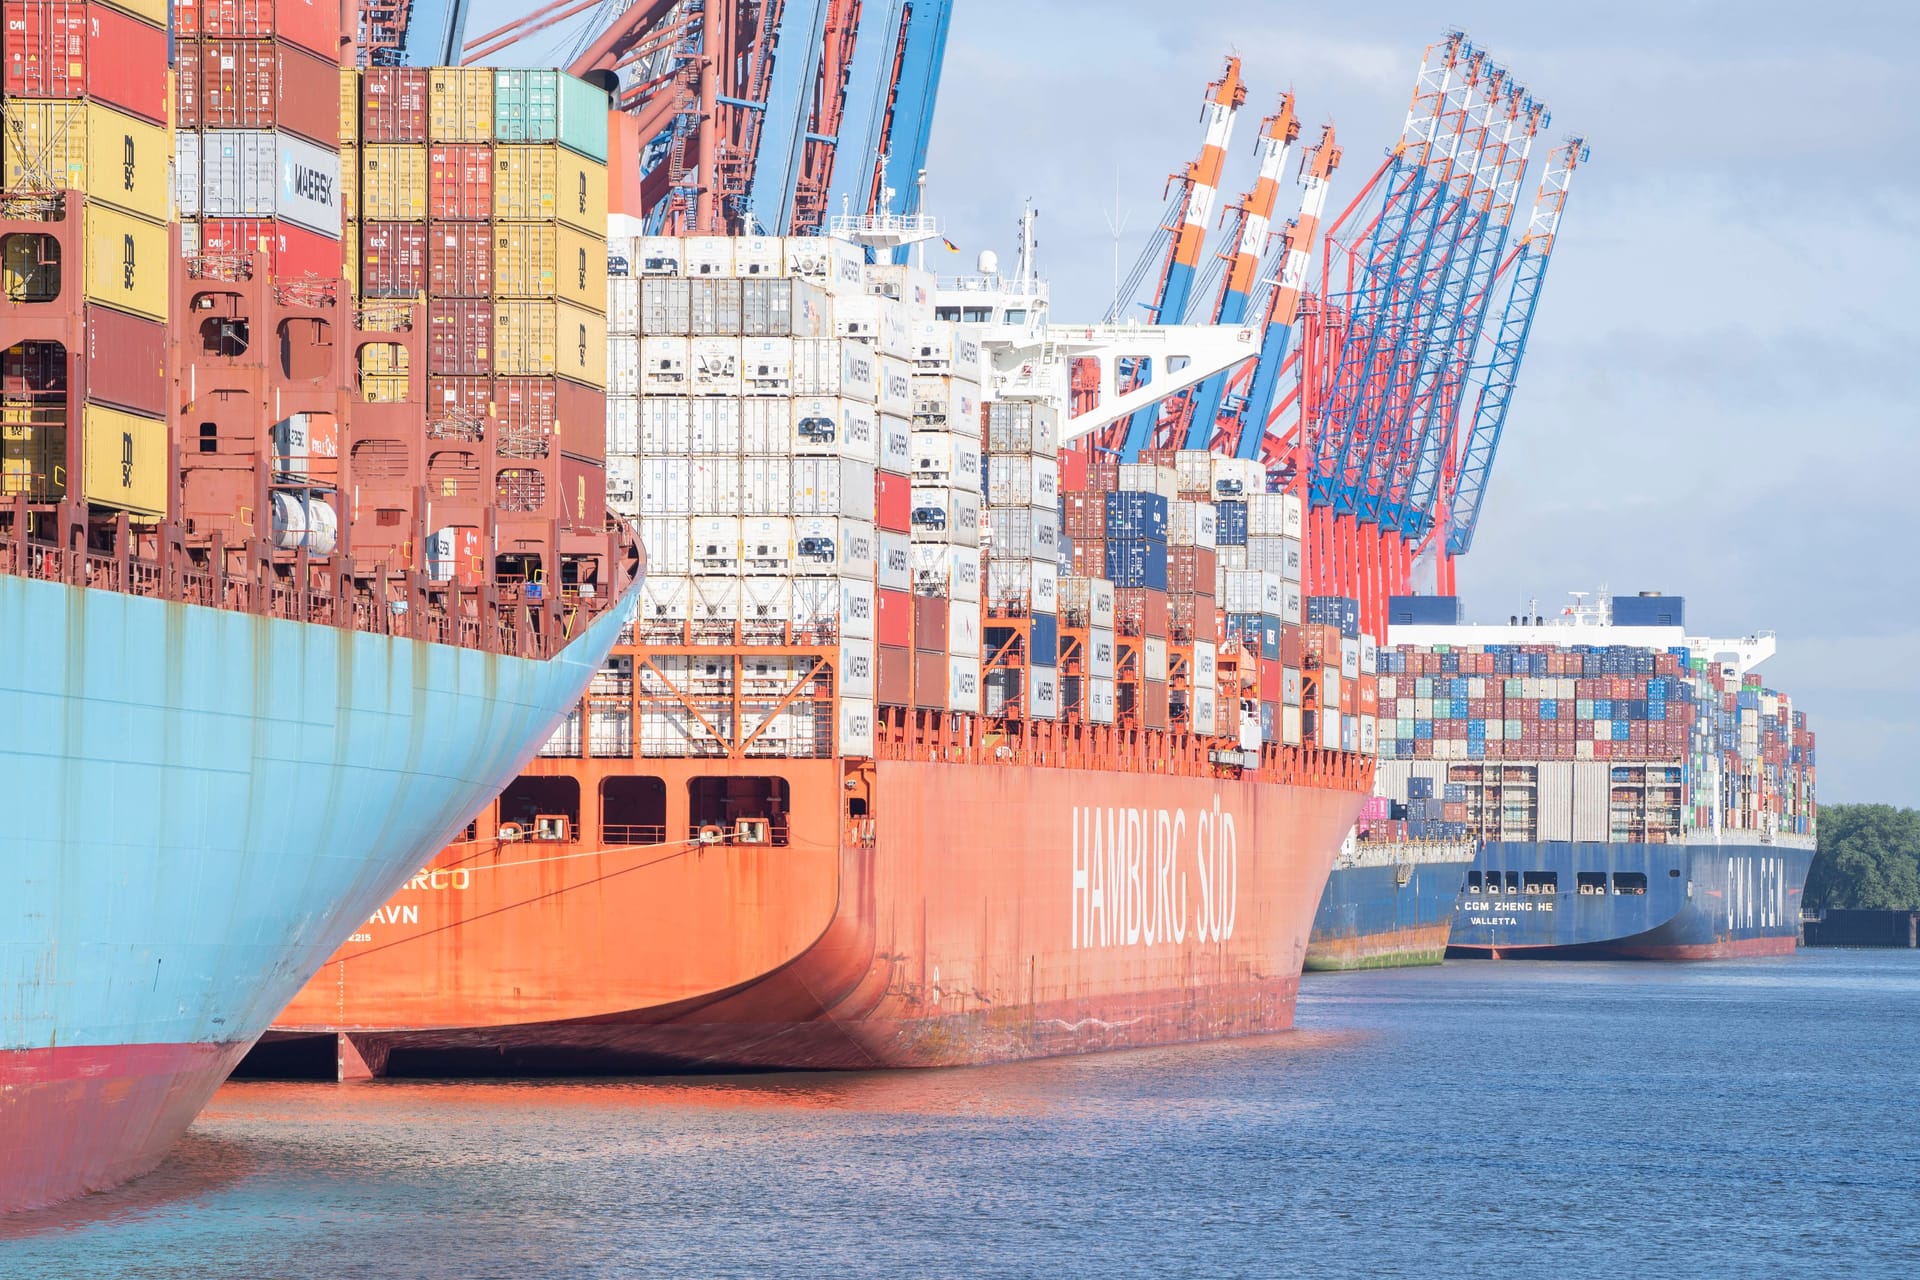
(1747, 1118)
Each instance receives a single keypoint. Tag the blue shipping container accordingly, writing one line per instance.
(1137, 562)
(1131, 514)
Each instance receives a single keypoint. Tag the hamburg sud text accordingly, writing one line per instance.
(1131, 880)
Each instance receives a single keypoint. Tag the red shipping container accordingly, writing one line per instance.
(459, 407)
(126, 361)
(72, 49)
(1270, 680)
(893, 618)
(393, 104)
(930, 680)
(311, 24)
(289, 251)
(459, 337)
(930, 624)
(259, 84)
(393, 259)
(583, 492)
(1073, 470)
(579, 419)
(524, 412)
(892, 502)
(459, 259)
(460, 182)
(893, 675)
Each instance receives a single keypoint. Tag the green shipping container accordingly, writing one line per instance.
(550, 106)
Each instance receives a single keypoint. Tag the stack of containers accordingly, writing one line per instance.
(257, 162)
(482, 196)
(1258, 580)
(1192, 575)
(745, 434)
(925, 374)
(1023, 552)
(1676, 742)
(84, 111)
(1138, 516)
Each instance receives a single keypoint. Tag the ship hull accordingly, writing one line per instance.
(980, 914)
(1384, 917)
(202, 802)
(1678, 901)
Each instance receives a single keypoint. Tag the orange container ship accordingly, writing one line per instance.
(934, 742)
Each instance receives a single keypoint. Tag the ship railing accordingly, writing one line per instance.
(432, 612)
(618, 834)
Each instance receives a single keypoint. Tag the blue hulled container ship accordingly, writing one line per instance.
(204, 803)
(1388, 903)
(1634, 791)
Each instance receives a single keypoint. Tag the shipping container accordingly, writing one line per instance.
(393, 107)
(393, 183)
(550, 338)
(284, 250)
(550, 107)
(460, 337)
(350, 91)
(127, 262)
(126, 362)
(534, 182)
(258, 84)
(460, 104)
(460, 259)
(460, 182)
(549, 260)
(76, 49)
(245, 173)
(393, 260)
(110, 156)
(124, 461)
(311, 24)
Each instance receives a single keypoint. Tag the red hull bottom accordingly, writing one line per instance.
(90, 1117)
(707, 1039)
(1733, 948)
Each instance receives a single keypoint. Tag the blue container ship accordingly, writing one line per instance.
(205, 802)
(1388, 903)
(1634, 791)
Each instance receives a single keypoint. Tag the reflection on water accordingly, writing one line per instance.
(1614, 1119)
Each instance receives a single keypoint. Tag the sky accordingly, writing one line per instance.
(1718, 399)
(1719, 396)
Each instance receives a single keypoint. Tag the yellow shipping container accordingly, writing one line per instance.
(124, 461)
(126, 263)
(349, 108)
(537, 181)
(548, 260)
(350, 182)
(393, 184)
(153, 11)
(460, 104)
(541, 339)
(83, 146)
(33, 457)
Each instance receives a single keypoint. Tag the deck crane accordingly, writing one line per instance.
(1283, 303)
(409, 33)
(1464, 490)
(1200, 186)
(1252, 225)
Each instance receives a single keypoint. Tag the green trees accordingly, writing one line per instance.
(1869, 856)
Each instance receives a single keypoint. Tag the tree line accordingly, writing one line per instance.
(1868, 856)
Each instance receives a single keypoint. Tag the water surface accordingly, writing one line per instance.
(1749, 1118)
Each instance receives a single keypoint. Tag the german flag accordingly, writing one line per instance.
(951, 246)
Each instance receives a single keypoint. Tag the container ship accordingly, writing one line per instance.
(1390, 899)
(1636, 792)
(276, 631)
(935, 742)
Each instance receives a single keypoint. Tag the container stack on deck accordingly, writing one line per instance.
(478, 219)
(1588, 742)
(1023, 560)
(85, 112)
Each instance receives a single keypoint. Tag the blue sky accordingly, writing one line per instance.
(1719, 397)
(1719, 400)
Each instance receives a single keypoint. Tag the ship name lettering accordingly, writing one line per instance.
(1130, 876)
(392, 914)
(441, 878)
